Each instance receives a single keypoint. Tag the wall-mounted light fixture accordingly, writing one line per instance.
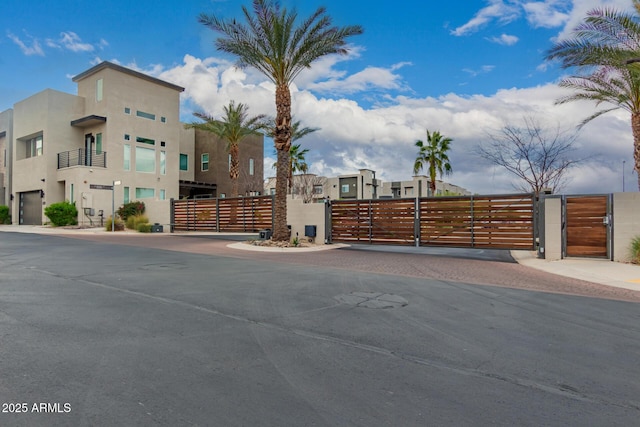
(11, 197)
(42, 180)
(42, 194)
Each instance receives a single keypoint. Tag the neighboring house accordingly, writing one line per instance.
(213, 162)
(419, 187)
(122, 127)
(364, 185)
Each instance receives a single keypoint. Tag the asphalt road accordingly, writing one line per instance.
(114, 334)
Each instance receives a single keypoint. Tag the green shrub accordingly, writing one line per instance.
(61, 214)
(635, 250)
(5, 215)
(131, 209)
(118, 225)
(144, 228)
(133, 221)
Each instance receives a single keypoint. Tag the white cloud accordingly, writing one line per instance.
(548, 13)
(382, 137)
(505, 39)
(499, 10)
(34, 49)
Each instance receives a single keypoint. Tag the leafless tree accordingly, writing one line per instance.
(539, 156)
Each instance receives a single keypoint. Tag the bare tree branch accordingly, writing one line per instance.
(539, 156)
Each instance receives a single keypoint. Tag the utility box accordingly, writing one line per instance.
(265, 234)
(310, 230)
(157, 228)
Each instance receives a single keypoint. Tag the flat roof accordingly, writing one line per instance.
(106, 64)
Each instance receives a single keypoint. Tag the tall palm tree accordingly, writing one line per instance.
(234, 126)
(604, 50)
(296, 156)
(273, 42)
(433, 156)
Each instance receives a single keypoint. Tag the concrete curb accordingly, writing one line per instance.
(249, 247)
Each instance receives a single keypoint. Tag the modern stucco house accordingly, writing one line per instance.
(364, 185)
(122, 127)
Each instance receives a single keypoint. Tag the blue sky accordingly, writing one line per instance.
(464, 68)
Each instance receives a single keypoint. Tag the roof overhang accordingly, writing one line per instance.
(87, 121)
(196, 184)
(3, 134)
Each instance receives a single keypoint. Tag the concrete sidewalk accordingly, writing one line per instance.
(600, 271)
(593, 270)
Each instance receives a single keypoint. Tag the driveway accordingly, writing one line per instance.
(146, 332)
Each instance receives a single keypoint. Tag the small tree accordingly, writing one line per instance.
(433, 156)
(540, 157)
(305, 186)
(5, 215)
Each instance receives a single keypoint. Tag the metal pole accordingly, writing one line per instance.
(623, 162)
(113, 206)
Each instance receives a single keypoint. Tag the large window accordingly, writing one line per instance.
(251, 167)
(145, 193)
(205, 162)
(127, 157)
(163, 163)
(34, 147)
(126, 194)
(184, 162)
(145, 160)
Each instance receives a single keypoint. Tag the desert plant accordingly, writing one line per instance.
(61, 214)
(5, 215)
(144, 227)
(132, 221)
(635, 250)
(130, 209)
(118, 225)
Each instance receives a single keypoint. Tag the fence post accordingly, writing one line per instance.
(416, 222)
(172, 214)
(217, 214)
(370, 222)
(328, 221)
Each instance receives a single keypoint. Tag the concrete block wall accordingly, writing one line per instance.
(552, 229)
(626, 223)
(300, 214)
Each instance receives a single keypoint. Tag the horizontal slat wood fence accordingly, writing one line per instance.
(373, 221)
(505, 222)
(242, 214)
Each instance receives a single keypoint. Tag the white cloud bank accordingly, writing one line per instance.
(382, 137)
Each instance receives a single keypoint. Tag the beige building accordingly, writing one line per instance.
(362, 186)
(123, 127)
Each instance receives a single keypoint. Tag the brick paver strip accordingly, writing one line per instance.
(435, 267)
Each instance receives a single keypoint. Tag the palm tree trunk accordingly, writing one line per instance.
(282, 143)
(635, 128)
(234, 169)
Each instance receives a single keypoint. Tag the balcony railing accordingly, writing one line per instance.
(81, 157)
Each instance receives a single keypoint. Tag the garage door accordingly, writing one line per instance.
(31, 208)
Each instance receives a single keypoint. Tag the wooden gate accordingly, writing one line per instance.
(586, 226)
(242, 214)
(498, 222)
(505, 222)
(373, 221)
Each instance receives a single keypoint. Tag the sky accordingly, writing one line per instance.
(465, 69)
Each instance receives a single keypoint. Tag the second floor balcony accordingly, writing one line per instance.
(82, 157)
